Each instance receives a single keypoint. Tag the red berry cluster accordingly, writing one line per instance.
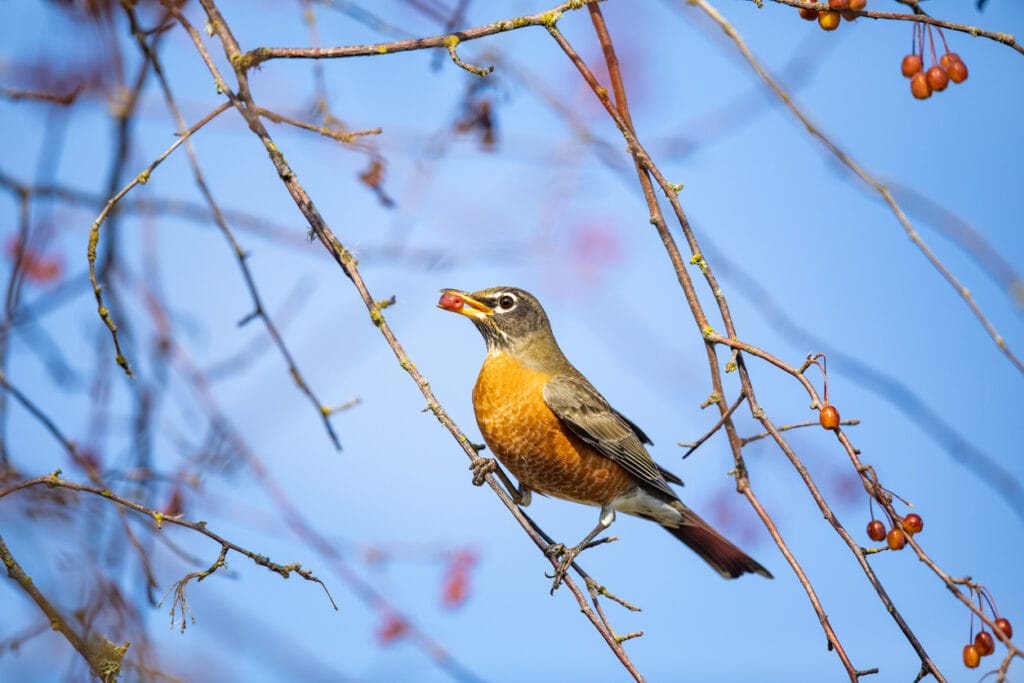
(943, 70)
(984, 643)
(896, 538)
(828, 19)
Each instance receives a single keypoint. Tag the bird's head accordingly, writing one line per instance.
(509, 318)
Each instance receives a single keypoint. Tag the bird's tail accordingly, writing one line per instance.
(716, 549)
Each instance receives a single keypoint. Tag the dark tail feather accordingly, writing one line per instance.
(719, 552)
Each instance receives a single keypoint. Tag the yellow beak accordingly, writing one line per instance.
(460, 302)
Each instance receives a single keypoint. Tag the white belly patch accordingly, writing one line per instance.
(640, 502)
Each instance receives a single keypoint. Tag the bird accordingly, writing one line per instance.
(559, 437)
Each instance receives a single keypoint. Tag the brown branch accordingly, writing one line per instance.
(718, 425)
(248, 60)
(65, 99)
(53, 480)
(919, 17)
(346, 137)
(799, 425)
(57, 620)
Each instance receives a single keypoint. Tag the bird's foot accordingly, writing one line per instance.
(481, 468)
(565, 557)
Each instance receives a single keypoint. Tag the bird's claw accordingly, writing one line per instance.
(481, 468)
(565, 557)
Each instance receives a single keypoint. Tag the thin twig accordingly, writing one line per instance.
(53, 480)
(64, 99)
(346, 137)
(248, 60)
(94, 231)
(798, 425)
(718, 425)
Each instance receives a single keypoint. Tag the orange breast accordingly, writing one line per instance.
(532, 443)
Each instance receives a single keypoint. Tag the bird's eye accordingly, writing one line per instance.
(506, 302)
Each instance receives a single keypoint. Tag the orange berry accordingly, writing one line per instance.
(937, 77)
(839, 4)
(919, 87)
(948, 58)
(876, 530)
(1004, 626)
(957, 71)
(913, 524)
(850, 14)
(829, 417)
(911, 65)
(984, 643)
(808, 13)
(896, 539)
(828, 20)
(971, 657)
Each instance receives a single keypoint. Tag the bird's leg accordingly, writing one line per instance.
(566, 556)
(521, 495)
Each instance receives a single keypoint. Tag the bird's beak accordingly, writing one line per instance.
(460, 302)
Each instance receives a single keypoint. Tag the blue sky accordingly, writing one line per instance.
(785, 228)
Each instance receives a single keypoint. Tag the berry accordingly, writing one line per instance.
(971, 657)
(957, 71)
(913, 524)
(948, 59)
(451, 302)
(919, 87)
(876, 530)
(828, 20)
(851, 14)
(896, 539)
(808, 13)
(911, 65)
(839, 4)
(984, 643)
(1004, 626)
(829, 417)
(937, 77)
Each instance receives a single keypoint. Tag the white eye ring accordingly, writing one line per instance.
(506, 302)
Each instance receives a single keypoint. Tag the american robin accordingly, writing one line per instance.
(559, 437)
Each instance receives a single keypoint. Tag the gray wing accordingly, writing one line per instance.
(590, 417)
